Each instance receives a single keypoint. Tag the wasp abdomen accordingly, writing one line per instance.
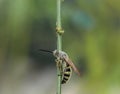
(66, 74)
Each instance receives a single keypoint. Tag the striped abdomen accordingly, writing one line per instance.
(67, 72)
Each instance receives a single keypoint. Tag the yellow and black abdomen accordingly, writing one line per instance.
(67, 72)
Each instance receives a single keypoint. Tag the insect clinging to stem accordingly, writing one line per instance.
(67, 64)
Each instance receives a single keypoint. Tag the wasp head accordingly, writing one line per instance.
(60, 54)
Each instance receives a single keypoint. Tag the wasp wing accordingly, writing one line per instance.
(69, 62)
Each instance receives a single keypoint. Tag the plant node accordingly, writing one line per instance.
(59, 30)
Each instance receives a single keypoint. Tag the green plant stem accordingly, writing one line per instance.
(59, 75)
(59, 13)
(59, 42)
(59, 45)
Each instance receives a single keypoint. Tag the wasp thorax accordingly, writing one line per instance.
(60, 54)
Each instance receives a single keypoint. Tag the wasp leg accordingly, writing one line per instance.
(59, 65)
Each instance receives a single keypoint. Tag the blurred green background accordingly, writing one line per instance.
(91, 38)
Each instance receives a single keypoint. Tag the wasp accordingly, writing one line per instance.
(67, 64)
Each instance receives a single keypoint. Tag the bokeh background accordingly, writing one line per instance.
(91, 38)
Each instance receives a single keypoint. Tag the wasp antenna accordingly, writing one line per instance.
(46, 51)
